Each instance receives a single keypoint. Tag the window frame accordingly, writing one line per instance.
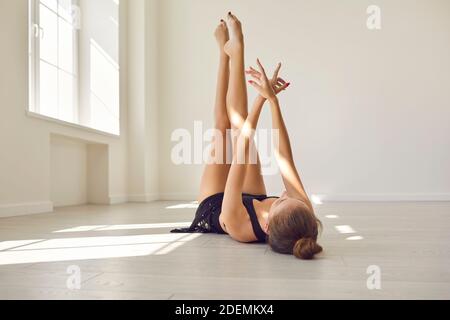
(35, 36)
(32, 109)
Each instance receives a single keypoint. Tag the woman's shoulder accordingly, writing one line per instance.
(240, 227)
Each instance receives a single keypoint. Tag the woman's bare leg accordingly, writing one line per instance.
(237, 100)
(216, 173)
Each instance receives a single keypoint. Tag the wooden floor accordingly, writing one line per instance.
(127, 252)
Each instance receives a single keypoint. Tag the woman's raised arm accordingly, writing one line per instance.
(233, 211)
(283, 149)
(232, 207)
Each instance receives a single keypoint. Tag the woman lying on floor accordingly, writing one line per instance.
(233, 197)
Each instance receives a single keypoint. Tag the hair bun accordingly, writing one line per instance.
(306, 248)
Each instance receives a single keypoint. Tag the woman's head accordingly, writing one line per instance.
(293, 228)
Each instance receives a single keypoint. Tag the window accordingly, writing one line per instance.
(74, 70)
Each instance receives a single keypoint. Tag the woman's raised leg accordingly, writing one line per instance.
(237, 101)
(216, 171)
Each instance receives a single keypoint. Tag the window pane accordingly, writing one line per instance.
(52, 4)
(49, 36)
(69, 65)
(104, 81)
(48, 105)
(65, 9)
(66, 97)
(65, 46)
(101, 116)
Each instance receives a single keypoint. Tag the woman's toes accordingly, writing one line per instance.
(234, 26)
(221, 33)
(223, 24)
(231, 17)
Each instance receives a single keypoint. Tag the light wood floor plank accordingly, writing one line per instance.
(124, 252)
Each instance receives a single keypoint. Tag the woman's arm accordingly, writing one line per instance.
(233, 211)
(284, 156)
(285, 159)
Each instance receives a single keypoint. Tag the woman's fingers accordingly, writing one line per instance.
(283, 87)
(261, 68)
(277, 72)
(254, 74)
(254, 70)
(256, 85)
(280, 86)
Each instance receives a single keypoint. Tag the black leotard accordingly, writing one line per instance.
(207, 217)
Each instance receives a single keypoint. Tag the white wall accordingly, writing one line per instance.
(98, 174)
(368, 111)
(79, 172)
(143, 101)
(68, 163)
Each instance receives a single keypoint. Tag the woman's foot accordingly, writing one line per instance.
(236, 43)
(222, 35)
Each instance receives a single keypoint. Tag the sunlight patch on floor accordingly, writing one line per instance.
(345, 229)
(191, 205)
(355, 238)
(126, 227)
(91, 248)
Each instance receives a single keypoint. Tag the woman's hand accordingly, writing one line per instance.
(268, 89)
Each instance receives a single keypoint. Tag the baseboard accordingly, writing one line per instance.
(357, 197)
(178, 196)
(388, 197)
(144, 198)
(118, 199)
(153, 197)
(23, 209)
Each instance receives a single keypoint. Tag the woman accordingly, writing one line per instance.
(233, 197)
